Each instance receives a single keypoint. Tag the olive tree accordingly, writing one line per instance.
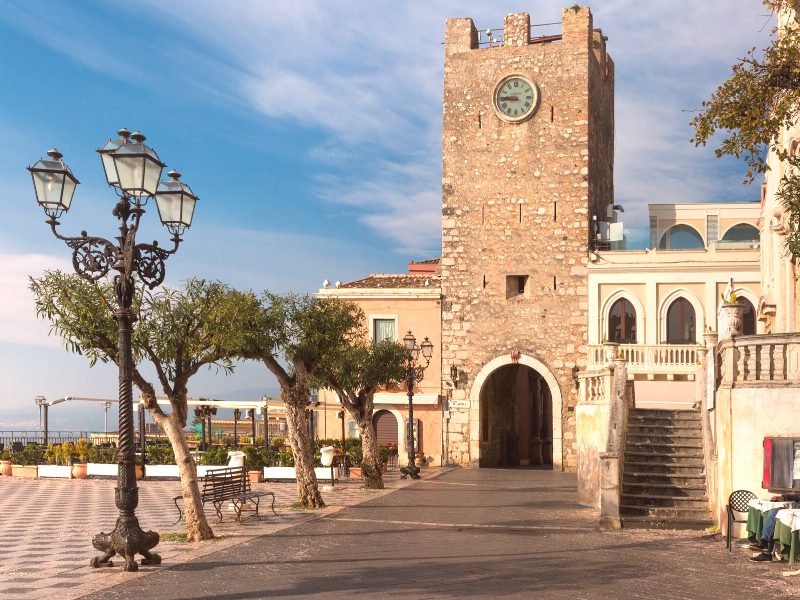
(178, 333)
(298, 335)
(355, 376)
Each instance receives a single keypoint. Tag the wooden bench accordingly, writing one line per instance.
(228, 485)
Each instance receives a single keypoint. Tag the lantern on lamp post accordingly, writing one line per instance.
(133, 170)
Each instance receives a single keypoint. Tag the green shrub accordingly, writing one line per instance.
(158, 454)
(31, 454)
(286, 458)
(83, 449)
(356, 455)
(257, 458)
(59, 454)
(215, 456)
(5, 455)
(103, 455)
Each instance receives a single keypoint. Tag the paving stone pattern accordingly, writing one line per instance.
(47, 525)
(469, 534)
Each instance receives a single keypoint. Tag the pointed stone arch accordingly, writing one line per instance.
(555, 392)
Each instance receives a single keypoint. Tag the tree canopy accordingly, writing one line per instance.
(178, 332)
(294, 336)
(356, 375)
(752, 109)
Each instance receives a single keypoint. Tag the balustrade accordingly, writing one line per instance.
(656, 359)
(762, 359)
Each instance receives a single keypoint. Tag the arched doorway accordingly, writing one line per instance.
(516, 418)
(385, 424)
(748, 316)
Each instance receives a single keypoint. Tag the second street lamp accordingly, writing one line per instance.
(237, 414)
(415, 371)
(133, 170)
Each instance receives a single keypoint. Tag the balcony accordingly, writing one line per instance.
(649, 360)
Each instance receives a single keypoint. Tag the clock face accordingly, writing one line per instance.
(515, 98)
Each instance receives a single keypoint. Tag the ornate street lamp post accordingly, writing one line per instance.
(237, 414)
(106, 406)
(41, 402)
(415, 371)
(251, 414)
(133, 170)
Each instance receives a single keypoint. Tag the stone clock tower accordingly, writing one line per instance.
(527, 162)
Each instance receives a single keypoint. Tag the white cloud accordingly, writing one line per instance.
(18, 322)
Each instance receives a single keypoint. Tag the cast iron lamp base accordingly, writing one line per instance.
(127, 540)
(412, 470)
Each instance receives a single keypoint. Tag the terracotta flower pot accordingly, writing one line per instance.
(139, 472)
(254, 476)
(79, 470)
(5, 467)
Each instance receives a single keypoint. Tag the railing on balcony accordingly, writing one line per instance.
(658, 359)
(753, 360)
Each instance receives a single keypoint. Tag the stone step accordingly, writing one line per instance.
(664, 464)
(658, 501)
(676, 479)
(653, 522)
(686, 450)
(655, 413)
(666, 443)
(664, 512)
(666, 430)
(659, 489)
(648, 455)
(658, 438)
(673, 416)
(664, 423)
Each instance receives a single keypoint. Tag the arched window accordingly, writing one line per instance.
(748, 317)
(622, 322)
(743, 232)
(681, 323)
(681, 237)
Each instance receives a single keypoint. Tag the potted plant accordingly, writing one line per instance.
(256, 460)
(56, 464)
(5, 463)
(82, 449)
(731, 312)
(25, 463)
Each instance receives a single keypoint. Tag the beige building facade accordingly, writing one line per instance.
(395, 304)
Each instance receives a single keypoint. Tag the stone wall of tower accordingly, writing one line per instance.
(517, 201)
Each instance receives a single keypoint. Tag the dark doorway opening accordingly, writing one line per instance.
(516, 419)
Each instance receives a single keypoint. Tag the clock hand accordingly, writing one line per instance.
(511, 98)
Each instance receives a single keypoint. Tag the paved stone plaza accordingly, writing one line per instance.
(463, 534)
(467, 533)
(47, 525)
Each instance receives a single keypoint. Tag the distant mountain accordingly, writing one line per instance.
(90, 417)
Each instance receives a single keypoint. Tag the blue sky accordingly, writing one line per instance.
(311, 131)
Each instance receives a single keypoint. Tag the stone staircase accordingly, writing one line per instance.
(664, 482)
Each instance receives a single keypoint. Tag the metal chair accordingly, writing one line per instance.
(737, 502)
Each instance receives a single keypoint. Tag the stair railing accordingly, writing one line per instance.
(612, 459)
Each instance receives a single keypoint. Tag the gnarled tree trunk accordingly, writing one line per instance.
(371, 462)
(197, 527)
(307, 491)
